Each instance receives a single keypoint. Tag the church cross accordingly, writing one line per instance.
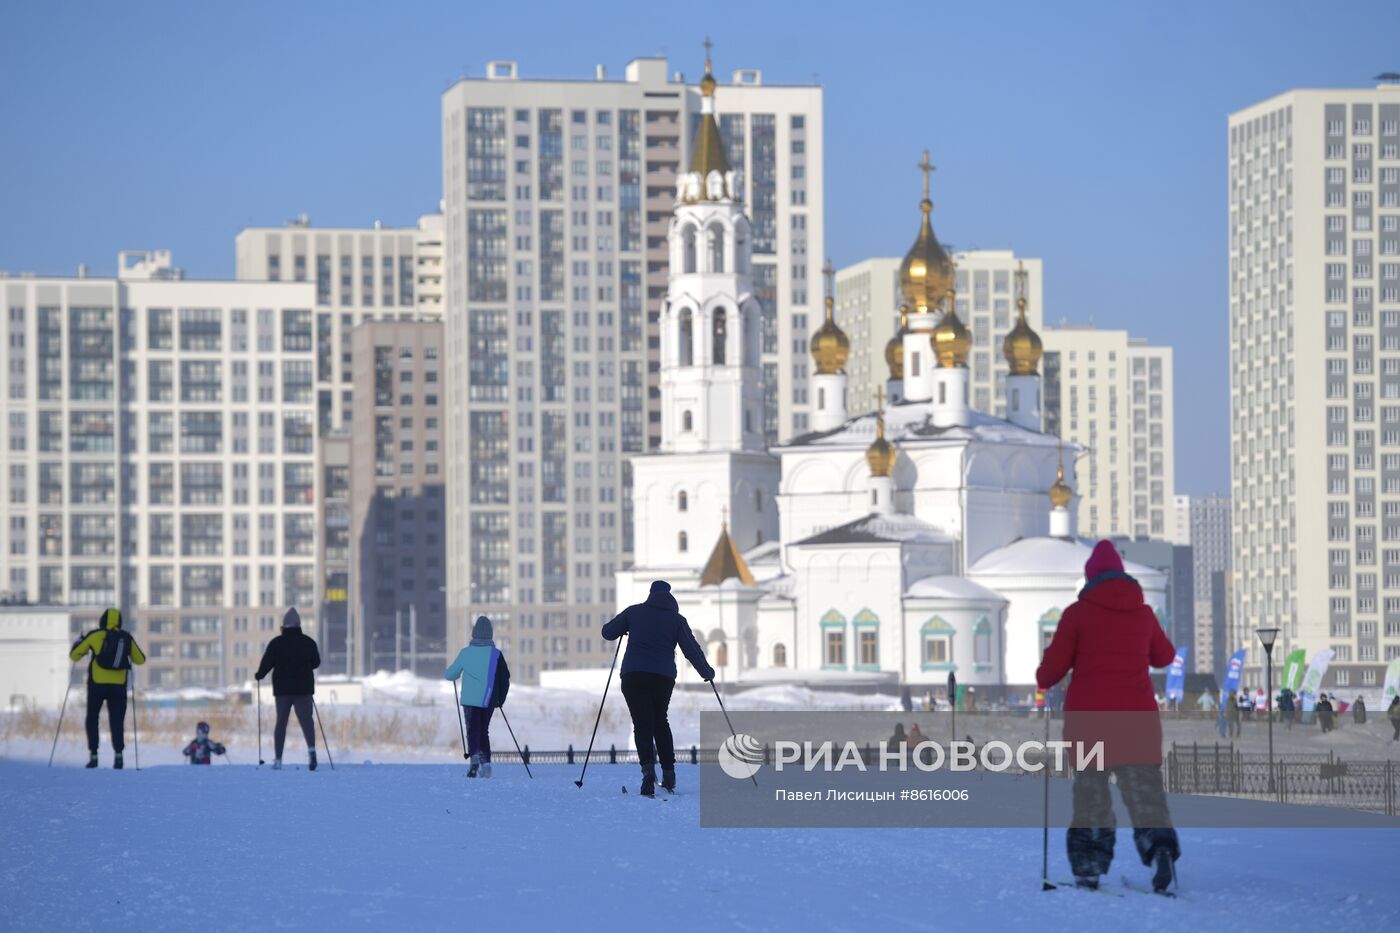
(829, 271)
(926, 167)
(708, 45)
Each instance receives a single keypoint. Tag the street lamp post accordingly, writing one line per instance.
(1266, 638)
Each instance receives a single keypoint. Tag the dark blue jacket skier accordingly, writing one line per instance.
(654, 630)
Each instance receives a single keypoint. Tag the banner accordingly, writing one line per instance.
(1233, 669)
(1317, 669)
(1293, 667)
(1392, 683)
(1176, 675)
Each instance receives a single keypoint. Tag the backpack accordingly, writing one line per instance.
(115, 654)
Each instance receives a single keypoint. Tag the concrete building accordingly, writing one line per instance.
(360, 274)
(1314, 292)
(1112, 393)
(867, 308)
(1178, 614)
(34, 664)
(397, 501)
(1203, 524)
(558, 202)
(159, 446)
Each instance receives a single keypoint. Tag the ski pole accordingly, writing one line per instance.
(728, 723)
(61, 710)
(461, 729)
(257, 688)
(589, 754)
(324, 741)
(1045, 884)
(523, 759)
(135, 725)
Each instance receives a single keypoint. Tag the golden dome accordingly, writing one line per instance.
(881, 454)
(926, 274)
(708, 154)
(1021, 346)
(951, 340)
(894, 350)
(830, 346)
(1060, 493)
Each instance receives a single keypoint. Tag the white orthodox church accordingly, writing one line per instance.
(894, 547)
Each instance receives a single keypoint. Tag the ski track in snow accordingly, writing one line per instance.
(422, 847)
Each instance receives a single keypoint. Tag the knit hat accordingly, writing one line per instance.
(202, 728)
(1104, 559)
(291, 619)
(481, 630)
(660, 586)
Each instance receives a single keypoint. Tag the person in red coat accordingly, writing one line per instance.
(1109, 638)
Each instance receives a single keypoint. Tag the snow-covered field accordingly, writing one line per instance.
(422, 847)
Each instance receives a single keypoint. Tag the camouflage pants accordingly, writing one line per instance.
(1092, 830)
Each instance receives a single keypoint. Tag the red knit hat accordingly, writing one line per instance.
(1104, 559)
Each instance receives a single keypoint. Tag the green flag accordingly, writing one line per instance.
(1293, 667)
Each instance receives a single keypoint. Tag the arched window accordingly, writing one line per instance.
(757, 538)
(685, 352)
(719, 332)
(688, 251)
(716, 248)
(722, 654)
(682, 542)
(780, 655)
(682, 502)
(758, 500)
(687, 421)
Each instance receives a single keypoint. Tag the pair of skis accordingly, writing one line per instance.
(1128, 887)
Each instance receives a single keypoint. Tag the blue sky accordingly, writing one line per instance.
(1090, 134)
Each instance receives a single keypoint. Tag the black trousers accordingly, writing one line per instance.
(479, 733)
(1092, 829)
(285, 704)
(648, 698)
(114, 695)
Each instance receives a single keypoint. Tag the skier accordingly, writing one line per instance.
(656, 627)
(113, 653)
(199, 750)
(291, 658)
(1109, 638)
(1324, 712)
(1393, 714)
(1287, 707)
(485, 683)
(1358, 711)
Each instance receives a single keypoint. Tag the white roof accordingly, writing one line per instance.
(1046, 557)
(912, 422)
(952, 587)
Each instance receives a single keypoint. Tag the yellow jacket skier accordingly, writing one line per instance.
(113, 653)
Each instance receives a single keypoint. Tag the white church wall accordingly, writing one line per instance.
(971, 633)
(849, 589)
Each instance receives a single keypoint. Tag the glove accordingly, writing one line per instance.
(218, 749)
(259, 676)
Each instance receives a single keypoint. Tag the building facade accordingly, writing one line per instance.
(159, 437)
(1112, 394)
(1203, 524)
(1314, 292)
(558, 202)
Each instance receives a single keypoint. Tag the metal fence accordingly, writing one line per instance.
(1313, 779)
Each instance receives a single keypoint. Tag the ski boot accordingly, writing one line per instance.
(277, 764)
(1087, 882)
(485, 769)
(117, 762)
(475, 768)
(1164, 871)
(311, 759)
(648, 781)
(92, 761)
(668, 779)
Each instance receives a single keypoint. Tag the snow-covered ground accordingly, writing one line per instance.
(422, 847)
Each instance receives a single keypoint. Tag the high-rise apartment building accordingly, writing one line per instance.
(867, 309)
(1112, 394)
(1203, 523)
(559, 197)
(1314, 224)
(360, 274)
(158, 437)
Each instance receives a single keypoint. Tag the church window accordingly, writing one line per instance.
(937, 638)
(821, 398)
(982, 642)
(688, 251)
(720, 332)
(682, 542)
(716, 248)
(758, 500)
(835, 653)
(687, 421)
(935, 650)
(682, 501)
(943, 393)
(687, 338)
(780, 655)
(914, 363)
(869, 648)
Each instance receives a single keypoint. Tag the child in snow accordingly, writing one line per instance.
(202, 747)
(485, 683)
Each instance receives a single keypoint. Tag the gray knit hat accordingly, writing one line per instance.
(481, 631)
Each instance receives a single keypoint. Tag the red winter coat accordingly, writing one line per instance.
(1110, 638)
